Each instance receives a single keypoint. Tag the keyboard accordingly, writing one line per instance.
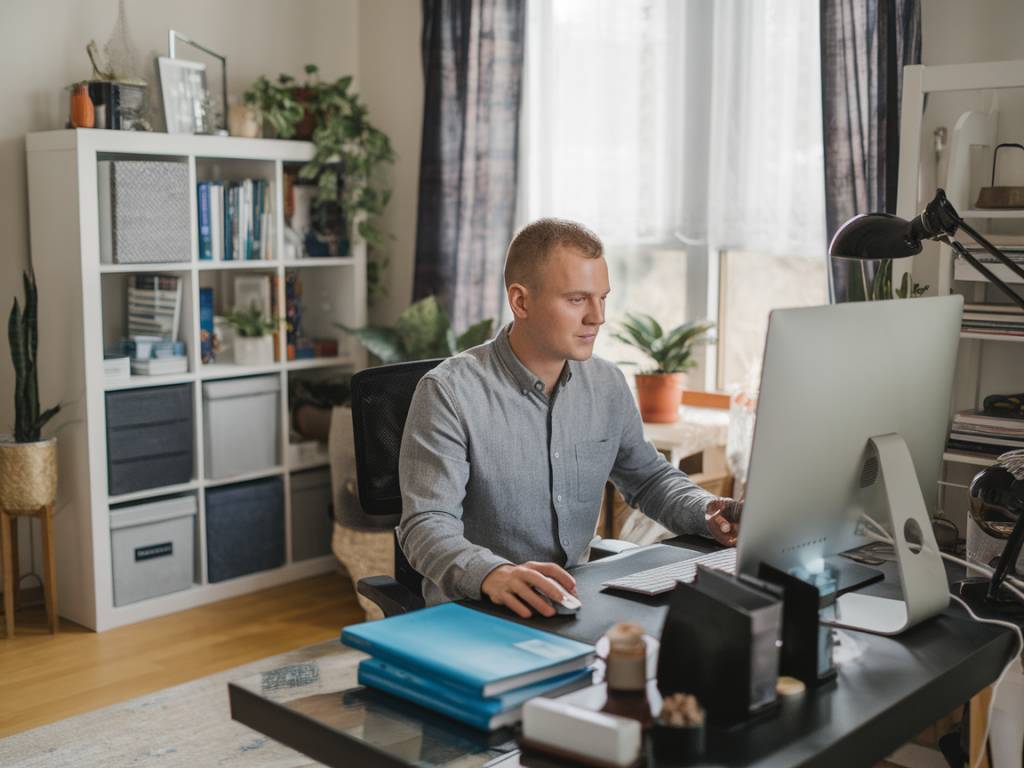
(664, 578)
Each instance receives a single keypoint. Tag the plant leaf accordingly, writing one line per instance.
(423, 327)
(475, 335)
(384, 343)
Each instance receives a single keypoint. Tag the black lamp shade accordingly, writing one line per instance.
(875, 236)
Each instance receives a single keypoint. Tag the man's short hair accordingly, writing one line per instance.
(532, 245)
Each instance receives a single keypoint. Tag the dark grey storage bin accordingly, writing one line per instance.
(149, 438)
(312, 520)
(151, 548)
(244, 528)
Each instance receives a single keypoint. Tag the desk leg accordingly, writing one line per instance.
(979, 720)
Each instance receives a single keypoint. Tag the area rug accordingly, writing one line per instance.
(187, 725)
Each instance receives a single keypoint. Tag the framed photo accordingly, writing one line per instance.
(183, 86)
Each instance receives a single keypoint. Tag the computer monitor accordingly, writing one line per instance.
(843, 389)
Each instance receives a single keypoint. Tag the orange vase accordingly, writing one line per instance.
(82, 113)
(659, 396)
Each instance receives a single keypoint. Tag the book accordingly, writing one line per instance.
(487, 714)
(158, 366)
(205, 232)
(154, 305)
(206, 324)
(478, 653)
(217, 221)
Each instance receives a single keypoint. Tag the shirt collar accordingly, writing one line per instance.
(522, 375)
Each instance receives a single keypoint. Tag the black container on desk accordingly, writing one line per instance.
(149, 438)
(675, 744)
(244, 528)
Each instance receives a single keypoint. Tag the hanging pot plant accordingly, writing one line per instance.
(659, 390)
(28, 463)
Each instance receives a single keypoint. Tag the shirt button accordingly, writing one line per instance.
(526, 391)
(559, 497)
(538, 385)
(556, 454)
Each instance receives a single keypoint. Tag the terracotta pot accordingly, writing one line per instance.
(659, 395)
(28, 474)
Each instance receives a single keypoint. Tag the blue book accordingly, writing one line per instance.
(486, 714)
(205, 241)
(206, 324)
(473, 651)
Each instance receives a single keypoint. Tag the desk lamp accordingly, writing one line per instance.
(876, 236)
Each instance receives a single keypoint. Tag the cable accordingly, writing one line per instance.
(1014, 659)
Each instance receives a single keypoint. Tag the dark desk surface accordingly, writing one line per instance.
(893, 690)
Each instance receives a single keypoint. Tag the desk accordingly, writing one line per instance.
(878, 702)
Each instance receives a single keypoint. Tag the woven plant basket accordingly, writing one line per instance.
(28, 474)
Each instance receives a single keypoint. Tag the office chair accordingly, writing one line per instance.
(380, 403)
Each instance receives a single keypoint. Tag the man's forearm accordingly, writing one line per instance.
(434, 544)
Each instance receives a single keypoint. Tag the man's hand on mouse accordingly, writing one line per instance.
(516, 587)
(723, 519)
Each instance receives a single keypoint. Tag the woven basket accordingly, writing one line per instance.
(28, 474)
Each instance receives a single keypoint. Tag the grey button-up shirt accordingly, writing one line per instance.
(494, 471)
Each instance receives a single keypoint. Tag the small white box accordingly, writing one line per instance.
(116, 368)
(608, 738)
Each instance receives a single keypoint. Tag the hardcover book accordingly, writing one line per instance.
(456, 646)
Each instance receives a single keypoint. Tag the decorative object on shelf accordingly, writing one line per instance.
(996, 500)
(243, 121)
(421, 332)
(1000, 197)
(82, 113)
(1005, 406)
(874, 236)
(117, 88)
(253, 343)
(350, 151)
(659, 390)
(678, 734)
(183, 89)
(215, 115)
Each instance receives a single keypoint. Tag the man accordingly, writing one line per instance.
(507, 446)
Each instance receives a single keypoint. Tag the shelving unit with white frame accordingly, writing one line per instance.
(986, 363)
(78, 307)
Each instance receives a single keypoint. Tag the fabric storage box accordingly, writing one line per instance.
(312, 520)
(244, 528)
(151, 548)
(144, 211)
(149, 438)
(241, 425)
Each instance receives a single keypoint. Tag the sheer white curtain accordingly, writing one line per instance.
(627, 102)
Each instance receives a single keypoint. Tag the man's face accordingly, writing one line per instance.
(566, 304)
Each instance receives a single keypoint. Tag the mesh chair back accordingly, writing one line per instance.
(380, 403)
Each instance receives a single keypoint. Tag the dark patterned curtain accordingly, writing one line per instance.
(864, 46)
(472, 66)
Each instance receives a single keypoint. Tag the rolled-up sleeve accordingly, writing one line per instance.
(433, 472)
(649, 482)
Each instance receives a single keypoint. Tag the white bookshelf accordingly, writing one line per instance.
(78, 314)
(987, 363)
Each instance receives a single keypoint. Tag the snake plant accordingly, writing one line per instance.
(23, 335)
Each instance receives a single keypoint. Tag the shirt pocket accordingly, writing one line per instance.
(593, 464)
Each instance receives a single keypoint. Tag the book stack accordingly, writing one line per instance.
(975, 432)
(999, 319)
(469, 665)
(1011, 245)
(235, 220)
(154, 315)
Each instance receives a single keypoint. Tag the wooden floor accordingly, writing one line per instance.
(46, 677)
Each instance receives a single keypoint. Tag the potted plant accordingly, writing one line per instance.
(349, 151)
(253, 344)
(659, 390)
(28, 463)
(421, 332)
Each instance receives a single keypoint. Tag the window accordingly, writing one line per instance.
(687, 135)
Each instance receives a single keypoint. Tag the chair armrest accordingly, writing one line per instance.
(601, 548)
(392, 597)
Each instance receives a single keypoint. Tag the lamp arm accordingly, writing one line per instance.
(1008, 559)
(988, 273)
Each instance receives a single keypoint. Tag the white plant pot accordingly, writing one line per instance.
(253, 350)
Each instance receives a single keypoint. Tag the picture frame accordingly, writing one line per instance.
(183, 88)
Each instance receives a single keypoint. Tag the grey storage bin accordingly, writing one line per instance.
(151, 548)
(144, 211)
(244, 528)
(312, 520)
(241, 425)
(149, 438)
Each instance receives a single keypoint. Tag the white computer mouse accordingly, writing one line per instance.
(569, 604)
